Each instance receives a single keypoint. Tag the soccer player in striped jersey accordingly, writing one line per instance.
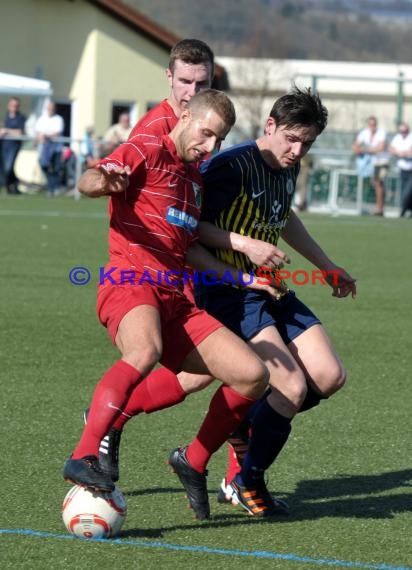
(248, 192)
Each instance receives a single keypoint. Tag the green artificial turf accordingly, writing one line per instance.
(346, 471)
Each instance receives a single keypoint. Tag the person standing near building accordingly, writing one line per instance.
(373, 160)
(14, 122)
(401, 148)
(49, 127)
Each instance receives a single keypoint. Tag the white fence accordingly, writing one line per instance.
(341, 191)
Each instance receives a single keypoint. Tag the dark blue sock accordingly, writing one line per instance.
(244, 427)
(270, 432)
(311, 400)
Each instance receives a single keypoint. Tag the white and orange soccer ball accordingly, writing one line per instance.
(92, 514)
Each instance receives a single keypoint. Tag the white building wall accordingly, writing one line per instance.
(351, 91)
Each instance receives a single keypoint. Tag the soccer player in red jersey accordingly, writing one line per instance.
(190, 70)
(154, 213)
(191, 67)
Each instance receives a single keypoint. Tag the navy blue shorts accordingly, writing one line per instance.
(246, 312)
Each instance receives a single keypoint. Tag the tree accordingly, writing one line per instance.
(253, 89)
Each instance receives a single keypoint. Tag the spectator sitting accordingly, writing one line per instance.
(117, 133)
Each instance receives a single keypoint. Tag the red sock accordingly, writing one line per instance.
(233, 467)
(110, 395)
(237, 448)
(227, 409)
(160, 389)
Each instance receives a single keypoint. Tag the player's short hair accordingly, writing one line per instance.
(216, 100)
(300, 107)
(192, 51)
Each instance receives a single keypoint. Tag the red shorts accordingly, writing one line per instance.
(189, 285)
(189, 291)
(183, 325)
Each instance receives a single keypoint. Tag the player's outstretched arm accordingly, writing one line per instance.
(259, 252)
(96, 182)
(296, 235)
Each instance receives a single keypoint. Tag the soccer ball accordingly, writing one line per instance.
(92, 514)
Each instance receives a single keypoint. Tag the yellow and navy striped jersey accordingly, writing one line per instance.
(243, 194)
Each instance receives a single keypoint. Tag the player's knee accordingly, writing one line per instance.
(143, 359)
(293, 389)
(258, 379)
(332, 379)
(339, 378)
(299, 391)
(253, 381)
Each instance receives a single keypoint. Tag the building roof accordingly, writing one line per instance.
(138, 22)
(18, 85)
(151, 30)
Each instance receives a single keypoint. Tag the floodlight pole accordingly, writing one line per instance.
(399, 113)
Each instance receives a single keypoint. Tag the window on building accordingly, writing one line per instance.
(65, 110)
(119, 107)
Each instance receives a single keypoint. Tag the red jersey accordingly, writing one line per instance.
(155, 221)
(160, 120)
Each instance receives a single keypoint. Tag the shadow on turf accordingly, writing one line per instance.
(216, 521)
(342, 496)
(235, 516)
(353, 496)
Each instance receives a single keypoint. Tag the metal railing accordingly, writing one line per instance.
(31, 144)
(333, 184)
